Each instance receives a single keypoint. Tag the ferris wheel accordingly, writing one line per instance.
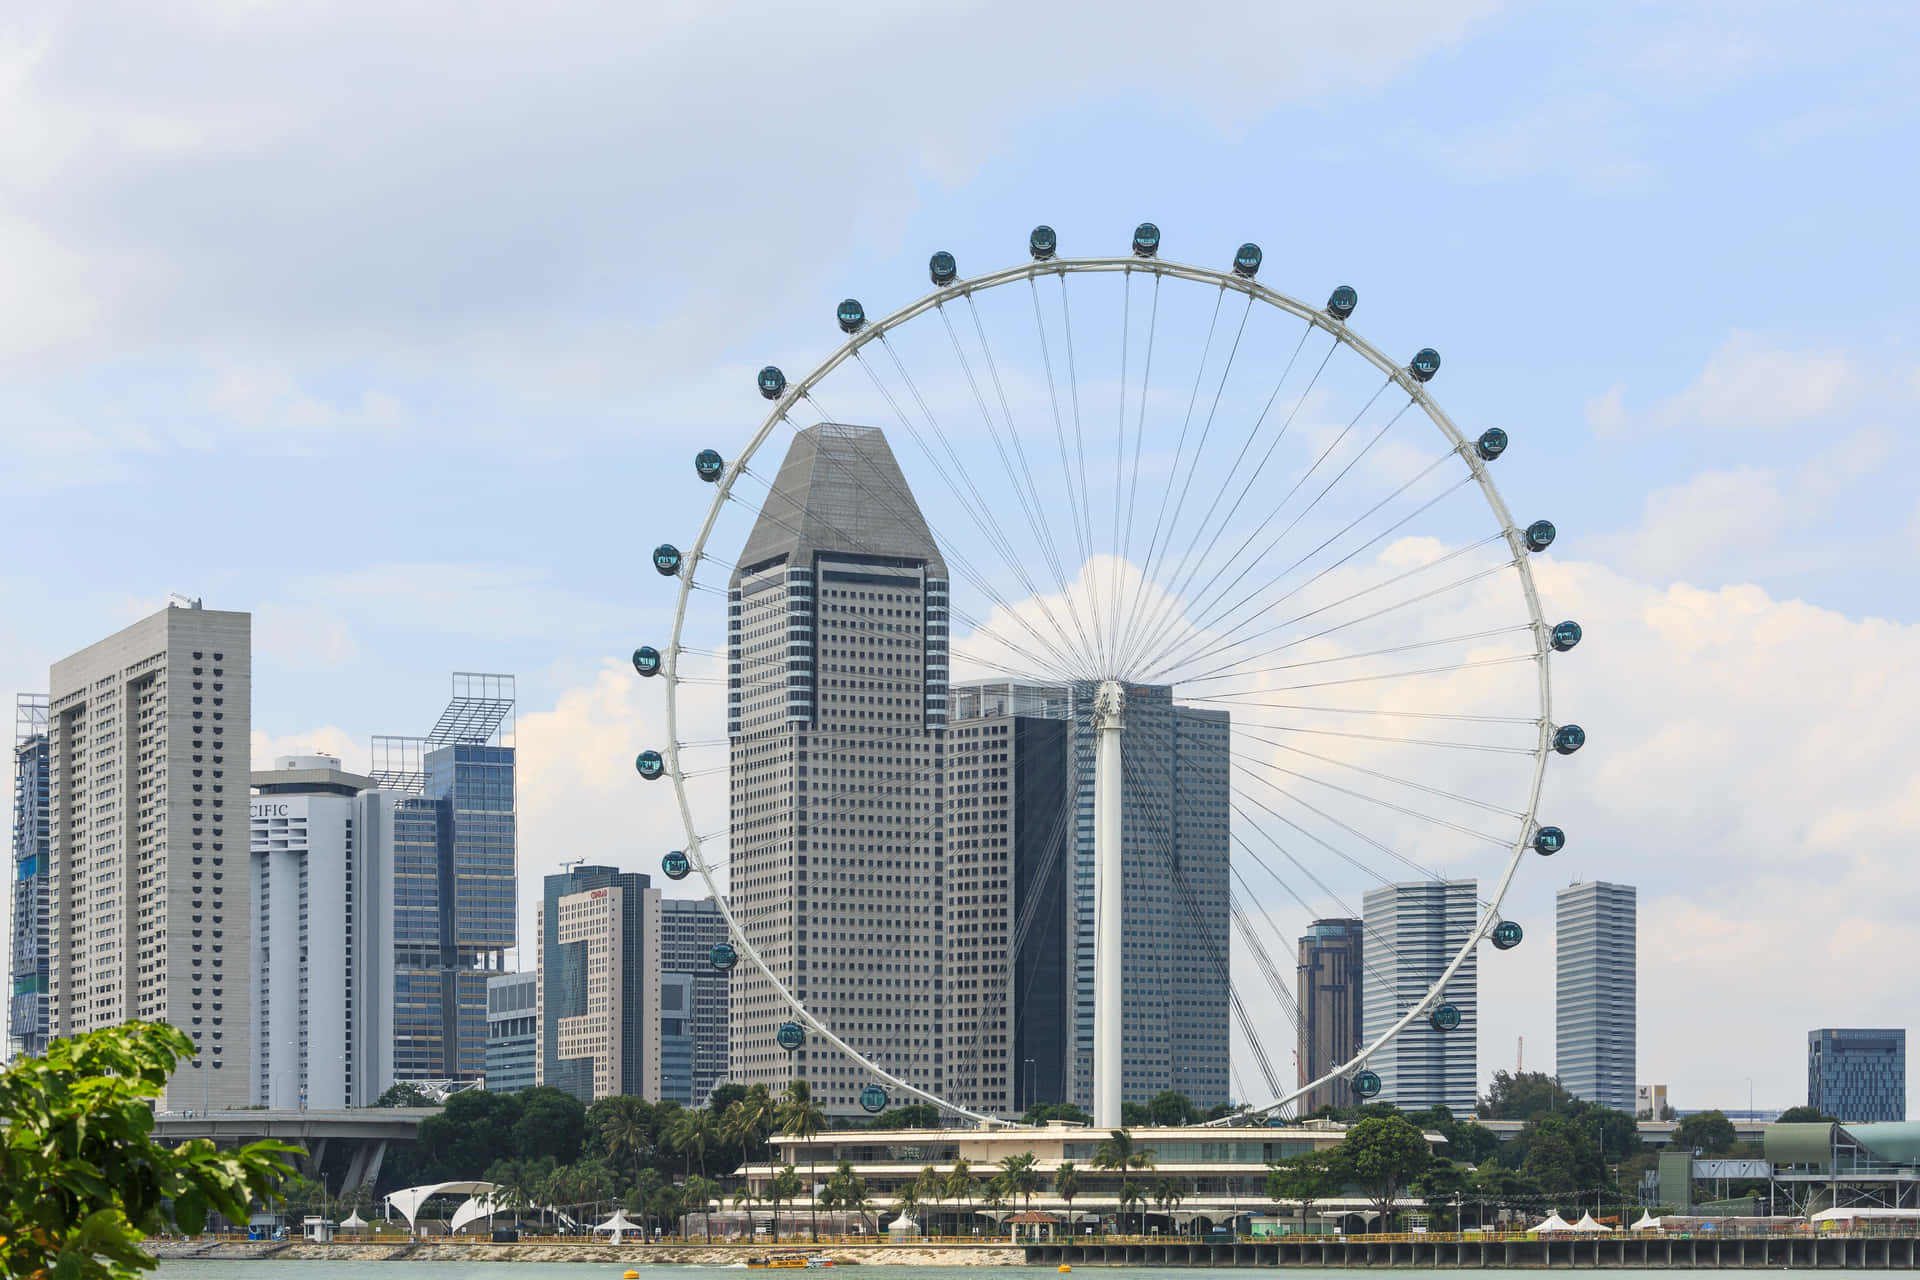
(1140, 492)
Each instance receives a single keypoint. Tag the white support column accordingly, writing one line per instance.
(1109, 706)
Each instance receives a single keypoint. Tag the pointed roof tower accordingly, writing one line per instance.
(840, 489)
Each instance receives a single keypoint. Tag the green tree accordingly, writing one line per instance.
(1310, 1177)
(551, 1122)
(1523, 1096)
(1383, 1154)
(961, 1184)
(1132, 1193)
(700, 1193)
(855, 1195)
(623, 1126)
(1022, 1176)
(1043, 1112)
(801, 1117)
(1709, 1132)
(404, 1094)
(1117, 1152)
(906, 1201)
(748, 1121)
(1441, 1185)
(1806, 1115)
(1171, 1109)
(915, 1115)
(694, 1132)
(1168, 1193)
(82, 1182)
(1066, 1185)
(786, 1188)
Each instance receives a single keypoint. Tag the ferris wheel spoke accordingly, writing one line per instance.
(1236, 671)
(1173, 471)
(1139, 435)
(1059, 426)
(1102, 659)
(1255, 770)
(1439, 792)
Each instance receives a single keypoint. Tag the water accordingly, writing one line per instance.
(198, 1269)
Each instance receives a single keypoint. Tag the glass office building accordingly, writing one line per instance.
(32, 950)
(1858, 1075)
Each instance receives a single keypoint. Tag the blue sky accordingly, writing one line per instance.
(421, 312)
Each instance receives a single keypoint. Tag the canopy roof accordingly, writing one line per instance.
(1647, 1222)
(1555, 1223)
(353, 1220)
(1587, 1223)
(409, 1199)
(618, 1222)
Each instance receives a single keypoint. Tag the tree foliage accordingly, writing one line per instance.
(1806, 1115)
(82, 1181)
(1523, 1096)
(1383, 1154)
(1709, 1132)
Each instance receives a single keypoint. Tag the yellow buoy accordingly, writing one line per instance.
(1064, 1268)
(629, 1275)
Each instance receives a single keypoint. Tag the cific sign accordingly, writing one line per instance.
(268, 809)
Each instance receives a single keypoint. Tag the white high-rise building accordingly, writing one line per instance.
(322, 863)
(1596, 991)
(1411, 933)
(837, 653)
(150, 903)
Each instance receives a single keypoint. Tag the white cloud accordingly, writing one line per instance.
(1754, 384)
(303, 637)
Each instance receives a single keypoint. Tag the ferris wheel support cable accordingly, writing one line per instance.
(1282, 575)
(1324, 570)
(1139, 434)
(1253, 432)
(1119, 452)
(1220, 962)
(1221, 645)
(1173, 471)
(1389, 739)
(1235, 673)
(1034, 513)
(1060, 432)
(1440, 792)
(982, 517)
(967, 571)
(1049, 546)
(1102, 660)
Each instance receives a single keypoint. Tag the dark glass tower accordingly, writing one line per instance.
(1330, 991)
(32, 951)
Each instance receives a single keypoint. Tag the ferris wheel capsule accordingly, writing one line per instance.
(1425, 363)
(873, 1099)
(646, 660)
(666, 558)
(1444, 1017)
(1491, 444)
(772, 382)
(1548, 841)
(851, 315)
(722, 956)
(943, 268)
(649, 765)
(1366, 1084)
(1042, 243)
(1146, 240)
(1507, 935)
(675, 865)
(790, 1036)
(1342, 301)
(1246, 260)
(1565, 635)
(1540, 535)
(708, 465)
(1569, 738)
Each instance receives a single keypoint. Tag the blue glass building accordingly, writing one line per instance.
(1858, 1075)
(32, 952)
(513, 1002)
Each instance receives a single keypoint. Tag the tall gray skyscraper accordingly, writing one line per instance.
(454, 876)
(150, 902)
(1331, 988)
(1177, 921)
(322, 869)
(32, 884)
(1596, 992)
(1412, 932)
(837, 661)
(1010, 834)
(689, 930)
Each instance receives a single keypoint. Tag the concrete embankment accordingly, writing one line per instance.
(964, 1255)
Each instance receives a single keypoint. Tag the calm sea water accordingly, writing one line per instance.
(196, 1269)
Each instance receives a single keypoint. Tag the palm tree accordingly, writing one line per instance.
(786, 1186)
(1131, 1193)
(1021, 1176)
(1112, 1154)
(993, 1194)
(961, 1184)
(1066, 1185)
(692, 1133)
(627, 1131)
(906, 1203)
(1142, 1160)
(743, 1198)
(748, 1122)
(858, 1198)
(801, 1117)
(929, 1188)
(1168, 1193)
(703, 1191)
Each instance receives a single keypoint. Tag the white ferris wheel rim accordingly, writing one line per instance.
(960, 288)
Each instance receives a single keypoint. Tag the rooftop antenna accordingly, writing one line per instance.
(1520, 1055)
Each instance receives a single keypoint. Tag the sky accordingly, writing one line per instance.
(396, 325)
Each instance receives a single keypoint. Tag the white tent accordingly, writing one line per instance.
(619, 1223)
(1555, 1223)
(903, 1226)
(1587, 1224)
(1647, 1222)
(353, 1222)
(473, 1209)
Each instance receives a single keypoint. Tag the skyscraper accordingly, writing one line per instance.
(1412, 932)
(454, 876)
(513, 1029)
(599, 977)
(1009, 922)
(1176, 923)
(32, 883)
(689, 930)
(322, 870)
(1330, 990)
(1858, 1075)
(1596, 992)
(837, 653)
(149, 909)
